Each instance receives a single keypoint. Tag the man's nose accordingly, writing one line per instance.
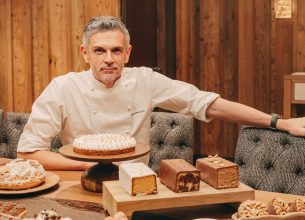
(108, 57)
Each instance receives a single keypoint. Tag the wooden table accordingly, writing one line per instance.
(71, 196)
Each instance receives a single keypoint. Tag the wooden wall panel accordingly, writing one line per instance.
(228, 69)
(40, 33)
(60, 35)
(298, 35)
(6, 73)
(210, 63)
(262, 52)
(40, 40)
(187, 41)
(244, 51)
(245, 56)
(22, 49)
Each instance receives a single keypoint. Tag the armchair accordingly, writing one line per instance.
(271, 160)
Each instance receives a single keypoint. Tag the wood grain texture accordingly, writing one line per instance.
(116, 199)
(40, 40)
(60, 34)
(40, 45)
(21, 57)
(298, 35)
(6, 73)
(245, 52)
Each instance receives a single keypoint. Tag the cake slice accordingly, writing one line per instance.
(218, 172)
(179, 176)
(137, 179)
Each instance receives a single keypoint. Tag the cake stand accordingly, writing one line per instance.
(92, 179)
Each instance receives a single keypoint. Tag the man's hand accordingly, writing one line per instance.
(295, 126)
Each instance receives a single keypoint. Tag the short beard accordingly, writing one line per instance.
(109, 78)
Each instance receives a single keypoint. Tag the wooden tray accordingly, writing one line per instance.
(116, 199)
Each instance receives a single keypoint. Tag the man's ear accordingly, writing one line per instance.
(83, 49)
(129, 48)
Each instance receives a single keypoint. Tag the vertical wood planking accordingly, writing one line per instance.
(6, 74)
(161, 35)
(22, 64)
(59, 35)
(40, 45)
(186, 41)
(77, 26)
(262, 52)
(210, 67)
(283, 59)
(245, 56)
(101, 7)
(228, 70)
(298, 36)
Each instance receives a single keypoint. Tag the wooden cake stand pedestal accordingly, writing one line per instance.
(92, 179)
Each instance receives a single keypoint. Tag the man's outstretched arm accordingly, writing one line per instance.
(54, 161)
(242, 114)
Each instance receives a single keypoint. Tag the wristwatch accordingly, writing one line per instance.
(274, 118)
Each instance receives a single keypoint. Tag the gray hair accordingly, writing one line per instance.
(102, 24)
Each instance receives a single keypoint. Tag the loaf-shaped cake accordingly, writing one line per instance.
(218, 172)
(278, 206)
(137, 179)
(298, 205)
(179, 176)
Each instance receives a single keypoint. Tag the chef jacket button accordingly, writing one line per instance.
(129, 107)
(94, 112)
(92, 89)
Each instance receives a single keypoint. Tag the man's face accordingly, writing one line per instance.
(106, 54)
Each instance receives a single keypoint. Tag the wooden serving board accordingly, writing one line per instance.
(116, 199)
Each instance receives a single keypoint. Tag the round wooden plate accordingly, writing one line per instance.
(140, 150)
(51, 180)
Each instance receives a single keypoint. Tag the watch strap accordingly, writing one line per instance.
(274, 119)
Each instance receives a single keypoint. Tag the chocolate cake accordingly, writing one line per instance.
(179, 176)
(218, 172)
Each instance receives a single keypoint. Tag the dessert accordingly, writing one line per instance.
(251, 209)
(48, 215)
(278, 207)
(21, 174)
(104, 144)
(137, 179)
(218, 172)
(298, 205)
(11, 210)
(117, 216)
(179, 176)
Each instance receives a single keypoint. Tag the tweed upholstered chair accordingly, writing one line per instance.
(271, 160)
(11, 129)
(171, 136)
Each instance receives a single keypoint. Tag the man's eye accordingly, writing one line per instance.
(98, 50)
(117, 51)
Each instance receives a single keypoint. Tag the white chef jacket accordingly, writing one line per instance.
(77, 104)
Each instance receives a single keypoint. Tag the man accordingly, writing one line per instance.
(114, 99)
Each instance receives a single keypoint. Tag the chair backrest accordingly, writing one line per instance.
(11, 129)
(171, 136)
(271, 160)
